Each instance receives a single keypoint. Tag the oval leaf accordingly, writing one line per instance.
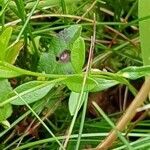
(5, 89)
(73, 101)
(78, 54)
(5, 112)
(30, 92)
(74, 83)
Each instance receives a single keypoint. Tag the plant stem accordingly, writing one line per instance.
(127, 117)
(41, 121)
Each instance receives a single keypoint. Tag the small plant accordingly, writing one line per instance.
(49, 66)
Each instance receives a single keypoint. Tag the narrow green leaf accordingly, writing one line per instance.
(73, 101)
(8, 73)
(3, 5)
(78, 54)
(30, 92)
(134, 72)
(13, 52)
(74, 83)
(4, 39)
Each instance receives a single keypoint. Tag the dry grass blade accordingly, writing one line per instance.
(84, 81)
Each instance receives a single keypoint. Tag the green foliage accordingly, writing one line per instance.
(135, 72)
(57, 59)
(6, 72)
(9, 54)
(78, 54)
(30, 92)
(5, 112)
(3, 5)
(44, 56)
(5, 89)
(103, 84)
(144, 11)
(13, 52)
(73, 101)
(4, 39)
(74, 83)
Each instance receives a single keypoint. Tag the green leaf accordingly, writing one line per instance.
(48, 64)
(4, 39)
(73, 101)
(134, 72)
(74, 83)
(5, 112)
(61, 43)
(2, 2)
(31, 48)
(71, 34)
(6, 72)
(13, 52)
(30, 92)
(144, 10)
(13, 7)
(5, 124)
(5, 89)
(3, 6)
(78, 54)
(103, 84)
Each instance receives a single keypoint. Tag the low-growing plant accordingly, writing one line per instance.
(54, 60)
